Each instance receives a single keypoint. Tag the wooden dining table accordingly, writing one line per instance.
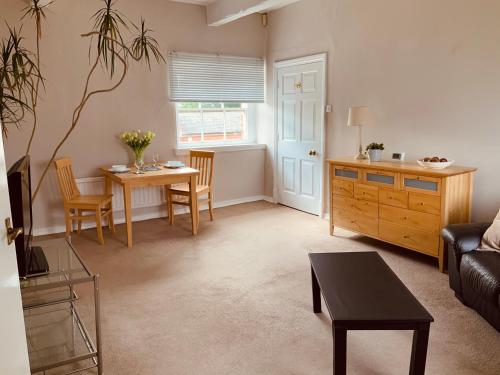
(163, 177)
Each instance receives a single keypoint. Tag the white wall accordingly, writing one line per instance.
(428, 70)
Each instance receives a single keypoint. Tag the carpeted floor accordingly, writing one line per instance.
(236, 299)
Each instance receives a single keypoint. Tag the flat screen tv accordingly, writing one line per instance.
(30, 259)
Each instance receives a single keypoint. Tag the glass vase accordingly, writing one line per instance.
(139, 158)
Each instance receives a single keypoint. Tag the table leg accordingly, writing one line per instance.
(127, 200)
(419, 350)
(194, 204)
(316, 292)
(167, 203)
(339, 351)
(107, 185)
(108, 190)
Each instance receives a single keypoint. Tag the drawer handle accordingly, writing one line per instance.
(406, 237)
(405, 218)
(422, 203)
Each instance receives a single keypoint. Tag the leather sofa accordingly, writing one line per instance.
(474, 275)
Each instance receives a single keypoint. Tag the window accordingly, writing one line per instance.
(215, 98)
(214, 123)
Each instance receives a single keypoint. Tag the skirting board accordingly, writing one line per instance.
(159, 213)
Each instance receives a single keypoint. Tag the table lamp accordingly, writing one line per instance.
(359, 116)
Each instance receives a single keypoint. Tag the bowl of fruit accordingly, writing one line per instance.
(435, 162)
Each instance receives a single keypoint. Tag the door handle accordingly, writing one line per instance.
(12, 233)
(312, 153)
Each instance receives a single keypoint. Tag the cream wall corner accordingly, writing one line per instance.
(141, 102)
(429, 71)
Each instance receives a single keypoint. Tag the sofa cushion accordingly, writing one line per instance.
(480, 271)
(491, 239)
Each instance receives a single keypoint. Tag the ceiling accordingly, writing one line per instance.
(199, 2)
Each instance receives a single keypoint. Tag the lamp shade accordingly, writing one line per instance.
(358, 116)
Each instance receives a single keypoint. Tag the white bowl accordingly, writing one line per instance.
(435, 164)
(119, 167)
(174, 164)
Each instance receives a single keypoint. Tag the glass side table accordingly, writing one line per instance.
(58, 340)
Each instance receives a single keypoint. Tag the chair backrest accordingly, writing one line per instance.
(204, 162)
(67, 184)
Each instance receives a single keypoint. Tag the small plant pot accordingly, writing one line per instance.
(375, 155)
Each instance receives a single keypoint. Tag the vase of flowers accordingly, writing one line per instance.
(375, 151)
(138, 142)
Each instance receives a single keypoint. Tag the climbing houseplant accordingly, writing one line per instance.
(108, 50)
(19, 75)
(36, 11)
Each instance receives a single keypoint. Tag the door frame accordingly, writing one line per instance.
(322, 58)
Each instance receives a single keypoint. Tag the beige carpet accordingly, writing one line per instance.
(236, 299)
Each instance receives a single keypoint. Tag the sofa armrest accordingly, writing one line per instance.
(460, 239)
(464, 237)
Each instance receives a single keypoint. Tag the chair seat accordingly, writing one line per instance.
(91, 200)
(183, 189)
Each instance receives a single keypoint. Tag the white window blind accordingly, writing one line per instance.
(214, 78)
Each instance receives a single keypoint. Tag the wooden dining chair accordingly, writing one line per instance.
(204, 162)
(76, 206)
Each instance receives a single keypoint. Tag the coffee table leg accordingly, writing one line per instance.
(316, 293)
(339, 351)
(419, 350)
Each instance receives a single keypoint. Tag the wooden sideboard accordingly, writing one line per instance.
(399, 202)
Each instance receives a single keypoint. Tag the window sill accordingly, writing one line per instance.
(222, 148)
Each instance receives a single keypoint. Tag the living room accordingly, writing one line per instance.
(223, 285)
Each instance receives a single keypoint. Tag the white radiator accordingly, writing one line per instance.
(141, 197)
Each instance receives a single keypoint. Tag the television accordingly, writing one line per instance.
(30, 259)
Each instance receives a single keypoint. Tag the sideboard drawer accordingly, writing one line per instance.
(394, 198)
(346, 173)
(421, 240)
(366, 192)
(424, 203)
(358, 206)
(380, 178)
(341, 187)
(353, 221)
(410, 218)
(421, 184)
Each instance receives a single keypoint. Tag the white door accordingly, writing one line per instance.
(300, 132)
(13, 349)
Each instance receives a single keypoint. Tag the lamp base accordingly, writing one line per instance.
(361, 156)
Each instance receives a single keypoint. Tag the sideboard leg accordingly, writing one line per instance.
(441, 257)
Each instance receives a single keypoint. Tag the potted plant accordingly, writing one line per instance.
(375, 151)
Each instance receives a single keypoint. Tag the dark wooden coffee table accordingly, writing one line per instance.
(361, 292)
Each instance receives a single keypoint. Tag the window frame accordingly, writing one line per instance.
(251, 138)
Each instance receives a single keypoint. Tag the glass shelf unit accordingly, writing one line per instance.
(58, 340)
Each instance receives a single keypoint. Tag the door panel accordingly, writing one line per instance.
(13, 348)
(309, 81)
(300, 107)
(308, 117)
(289, 175)
(289, 124)
(307, 178)
(290, 81)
